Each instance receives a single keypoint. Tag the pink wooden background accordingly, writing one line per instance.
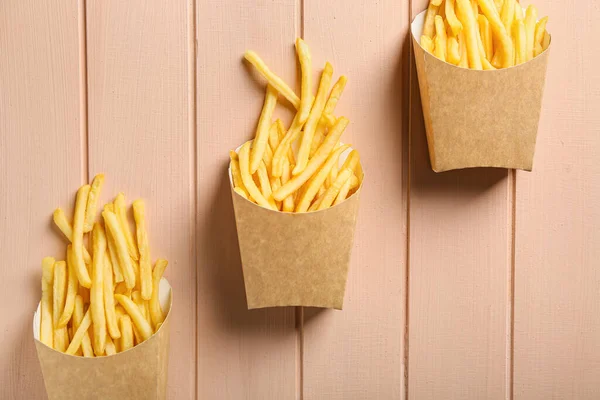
(477, 284)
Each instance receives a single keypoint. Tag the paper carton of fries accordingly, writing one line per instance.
(137, 373)
(295, 259)
(481, 71)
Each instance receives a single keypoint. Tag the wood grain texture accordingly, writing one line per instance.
(241, 354)
(459, 271)
(357, 353)
(557, 274)
(139, 136)
(40, 169)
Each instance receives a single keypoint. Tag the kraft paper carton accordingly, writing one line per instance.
(295, 259)
(138, 373)
(479, 118)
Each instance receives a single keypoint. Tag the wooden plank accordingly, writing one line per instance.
(241, 354)
(459, 271)
(40, 168)
(358, 353)
(140, 137)
(557, 279)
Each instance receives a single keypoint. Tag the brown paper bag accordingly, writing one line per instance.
(479, 118)
(138, 373)
(291, 259)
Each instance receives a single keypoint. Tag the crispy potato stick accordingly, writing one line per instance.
(261, 139)
(546, 40)
(343, 194)
(156, 313)
(72, 288)
(273, 79)
(284, 146)
(143, 326)
(322, 190)
(65, 227)
(315, 163)
(508, 14)
(141, 304)
(86, 342)
(241, 192)
(110, 347)
(465, 14)
(109, 301)
(268, 157)
(236, 176)
(97, 290)
(537, 50)
(530, 20)
(47, 304)
(429, 24)
(489, 10)
(315, 205)
(114, 258)
(453, 22)
(253, 191)
(139, 214)
(136, 271)
(121, 212)
(92, 200)
(453, 50)
(126, 333)
(426, 44)
(484, 61)
(520, 41)
(333, 190)
(265, 185)
(519, 12)
(440, 38)
(334, 97)
(288, 202)
(306, 84)
(313, 119)
(462, 45)
(82, 329)
(78, 222)
(333, 174)
(540, 28)
(274, 134)
(281, 134)
(61, 338)
(351, 161)
(122, 288)
(276, 184)
(114, 228)
(485, 31)
(316, 182)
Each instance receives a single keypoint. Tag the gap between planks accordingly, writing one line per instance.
(83, 90)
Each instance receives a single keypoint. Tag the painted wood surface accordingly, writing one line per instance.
(463, 285)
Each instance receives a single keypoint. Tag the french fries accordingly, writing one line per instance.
(88, 322)
(482, 34)
(262, 131)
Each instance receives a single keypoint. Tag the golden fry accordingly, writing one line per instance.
(489, 10)
(453, 50)
(285, 145)
(546, 40)
(268, 157)
(126, 333)
(499, 4)
(156, 313)
(121, 213)
(114, 229)
(520, 42)
(143, 326)
(72, 288)
(343, 193)
(109, 301)
(60, 219)
(82, 329)
(274, 134)
(61, 337)
(519, 13)
(462, 45)
(440, 38)
(113, 255)
(429, 24)
(141, 304)
(92, 200)
(288, 202)
(485, 31)
(334, 97)
(265, 185)
(253, 191)
(540, 28)
(236, 176)
(47, 304)
(110, 347)
(465, 15)
(273, 79)
(335, 188)
(453, 22)
(313, 165)
(86, 342)
(276, 184)
(306, 84)
(530, 21)
(508, 13)
(426, 44)
(78, 222)
(139, 214)
(97, 290)
(261, 140)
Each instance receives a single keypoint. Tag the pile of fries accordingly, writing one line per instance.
(483, 34)
(303, 176)
(105, 301)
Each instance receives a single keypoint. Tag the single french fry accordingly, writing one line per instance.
(519, 13)
(276, 184)
(313, 119)
(508, 14)
(82, 329)
(78, 222)
(61, 337)
(484, 61)
(465, 15)
(126, 333)
(60, 219)
(318, 179)
(156, 313)
(265, 185)
(489, 10)
(47, 303)
(453, 50)
(114, 228)
(288, 202)
(530, 21)
(274, 134)
(334, 97)
(72, 288)
(112, 253)
(121, 213)
(236, 176)
(142, 304)
(306, 83)
(429, 24)
(92, 201)
(540, 28)
(136, 271)
(464, 61)
(110, 347)
(440, 39)
(273, 79)
(426, 44)
(261, 139)
(315, 163)
(285, 145)
(268, 157)
(451, 18)
(112, 324)
(253, 191)
(333, 174)
(333, 190)
(143, 326)
(546, 40)
(475, 8)
(485, 31)
(78, 313)
(315, 205)
(139, 214)
(343, 193)
(520, 41)
(322, 190)
(97, 291)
